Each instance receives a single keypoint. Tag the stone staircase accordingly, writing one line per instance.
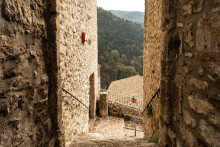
(109, 132)
(113, 142)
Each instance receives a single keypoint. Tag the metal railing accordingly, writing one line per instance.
(135, 128)
(125, 100)
(75, 98)
(156, 94)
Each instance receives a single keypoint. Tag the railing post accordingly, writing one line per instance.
(135, 129)
(103, 104)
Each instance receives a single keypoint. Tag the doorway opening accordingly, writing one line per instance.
(92, 100)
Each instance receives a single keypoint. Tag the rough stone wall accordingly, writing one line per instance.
(25, 117)
(78, 61)
(190, 92)
(117, 109)
(152, 62)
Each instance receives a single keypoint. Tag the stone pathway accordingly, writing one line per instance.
(108, 126)
(110, 132)
(131, 133)
(114, 126)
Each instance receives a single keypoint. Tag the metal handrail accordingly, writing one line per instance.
(75, 98)
(133, 129)
(156, 94)
(109, 91)
(135, 107)
(126, 100)
(132, 116)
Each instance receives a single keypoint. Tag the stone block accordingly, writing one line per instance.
(200, 106)
(40, 106)
(4, 107)
(189, 35)
(39, 135)
(217, 1)
(200, 70)
(47, 126)
(172, 136)
(214, 70)
(203, 85)
(187, 136)
(211, 135)
(14, 10)
(207, 35)
(192, 6)
(209, 57)
(189, 120)
(187, 8)
(188, 54)
(197, 6)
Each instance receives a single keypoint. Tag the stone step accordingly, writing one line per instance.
(114, 142)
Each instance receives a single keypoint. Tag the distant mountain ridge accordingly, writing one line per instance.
(135, 16)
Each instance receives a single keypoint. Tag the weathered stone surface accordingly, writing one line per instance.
(187, 8)
(200, 70)
(196, 71)
(17, 11)
(186, 69)
(209, 57)
(172, 136)
(215, 70)
(152, 61)
(187, 54)
(189, 36)
(199, 83)
(189, 120)
(192, 6)
(23, 73)
(187, 136)
(207, 34)
(78, 63)
(197, 5)
(103, 104)
(117, 109)
(217, 1)
(209, 134)
(200, 106)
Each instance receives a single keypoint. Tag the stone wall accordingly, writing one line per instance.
(152, 62)
(25, 117)
(116, 109)
(41, 52)
(190, 73)
(78, 61)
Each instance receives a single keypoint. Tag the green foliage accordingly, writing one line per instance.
(154, 138)
(90, 41)
(122, 115)
(127, 117)
(120, 41)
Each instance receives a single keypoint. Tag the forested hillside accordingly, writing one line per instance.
(120, 44)
(134, 16)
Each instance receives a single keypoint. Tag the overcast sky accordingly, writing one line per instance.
(127, 5)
